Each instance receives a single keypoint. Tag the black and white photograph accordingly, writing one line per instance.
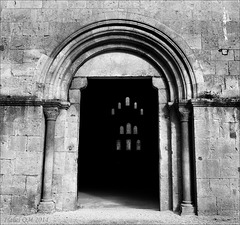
(119, 112)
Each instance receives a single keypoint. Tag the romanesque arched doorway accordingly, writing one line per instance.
(172, 75)
(118, 157)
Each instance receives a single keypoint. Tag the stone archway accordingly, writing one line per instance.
(176, 82)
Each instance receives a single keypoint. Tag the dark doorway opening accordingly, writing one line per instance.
(118, 147)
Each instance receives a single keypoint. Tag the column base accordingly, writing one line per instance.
(187, 209)
(46, 207)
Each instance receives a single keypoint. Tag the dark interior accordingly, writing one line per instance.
(108, 163)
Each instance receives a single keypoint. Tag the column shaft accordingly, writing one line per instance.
(186, 175)
(47, 205)
(187, 198)
(48, 161)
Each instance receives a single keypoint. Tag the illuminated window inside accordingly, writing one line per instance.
(121, 130)
(127, 101)
(118, 145)
(135, 130)
(128, 129)
(135, 105)
(128, 144)
(119, 105)
(113, 111)
(138, 145)
(141, 112)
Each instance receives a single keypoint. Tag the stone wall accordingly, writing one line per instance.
(22, 138)
(31, 30)
(216, 131)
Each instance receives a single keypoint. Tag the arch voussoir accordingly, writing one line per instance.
(118, 35)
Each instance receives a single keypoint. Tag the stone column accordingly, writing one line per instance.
(187, 207)
(47, 205)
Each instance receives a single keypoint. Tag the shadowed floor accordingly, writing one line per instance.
(117, 199)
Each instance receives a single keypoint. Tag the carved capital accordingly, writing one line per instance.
(51, 113)
(184, 114)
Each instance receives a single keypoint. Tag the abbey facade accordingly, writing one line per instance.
(151, 85)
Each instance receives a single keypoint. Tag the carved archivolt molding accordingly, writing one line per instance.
(135, 38)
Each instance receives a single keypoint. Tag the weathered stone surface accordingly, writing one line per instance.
(220, 187)
(18, 184)
(59, 160)
(18, 143)
(7, 166)
(35, 144)
(22, 204)
(234, 67)
(74, 96)
(237, 54)
(207, 205)
(34, 165)
(32, 30)
(69, 201)
(5, 203)
(6, 181)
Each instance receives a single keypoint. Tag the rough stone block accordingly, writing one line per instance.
(61, 124)
(33, 185)
(216, 55)
(30, 4)
(203, 187)
(57, 183)
(74, 96)
(77, 4)
(229, 167)
(221, 68)
(16, 56)
(234, 186)
(55, 4)
(60, 144)
(6, 166)
(231, 86)
(213, 168)
(5, 204)
(73, 114)
(202, 129)
(69, 183)
(207, 206)
(6, 152)
(69, 201)
(82, 15)
(193, 40)
(132, 4)
(220, 187)
(28, 163)
(59, 160)
(18, 184)
(6, 181)
(234, 67)
(209, 67)
(70, 163)
(236, 54)
(18, 143)
(29, 127)
(72, 144)
(227, 203)
(110, 4)
(72, 130)
(58, 199)
(78, 83)
(35, 144)
(22, 205)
